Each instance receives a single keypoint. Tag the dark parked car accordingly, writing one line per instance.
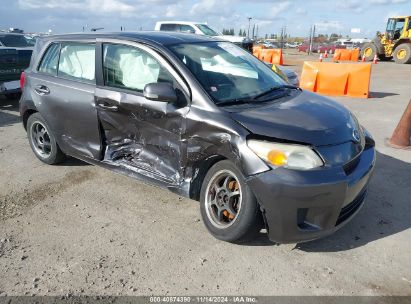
(15, 54)
(254, 150)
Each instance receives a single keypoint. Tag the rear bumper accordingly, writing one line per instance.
(305, 205)
(10, 87)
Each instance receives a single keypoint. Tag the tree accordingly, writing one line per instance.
(334, 37)
(320, 38)
(240, 33)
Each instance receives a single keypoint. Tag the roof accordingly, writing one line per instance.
(180, 22)
(11, 34)
(158, 37)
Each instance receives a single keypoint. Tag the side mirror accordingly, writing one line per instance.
(160, 91)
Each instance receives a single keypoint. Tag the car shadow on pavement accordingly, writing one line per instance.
(8, 119)
(73, 162)
(386, 211)
(7, 106)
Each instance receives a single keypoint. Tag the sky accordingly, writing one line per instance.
(67, 16)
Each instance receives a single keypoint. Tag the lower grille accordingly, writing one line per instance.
(351, 165)
(350, 209)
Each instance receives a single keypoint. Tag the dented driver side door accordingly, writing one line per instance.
(140, 135)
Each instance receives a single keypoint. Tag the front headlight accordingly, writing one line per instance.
(286, 155)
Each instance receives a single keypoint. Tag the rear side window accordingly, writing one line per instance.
(77, 62)
(131, 68)
(168, 27)
(50, 60)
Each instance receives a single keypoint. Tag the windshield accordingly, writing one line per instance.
(226, 71)
(14, 41)
(207, 30)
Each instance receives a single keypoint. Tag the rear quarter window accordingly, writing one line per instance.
(168, 27)
(49, 62)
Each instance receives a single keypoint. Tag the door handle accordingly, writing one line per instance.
(42, 90)
(107, 107)
(106, 104)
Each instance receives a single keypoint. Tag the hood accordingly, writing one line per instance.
(232, 38)
(306, 118)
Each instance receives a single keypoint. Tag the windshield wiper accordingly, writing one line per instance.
(255, 98)
(234, 102)
(273, 89)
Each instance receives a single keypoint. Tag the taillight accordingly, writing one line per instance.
(22, 80)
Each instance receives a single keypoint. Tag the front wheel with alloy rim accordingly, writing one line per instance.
(229, 209)
(402, 53)
(369, 50)
(42, 141)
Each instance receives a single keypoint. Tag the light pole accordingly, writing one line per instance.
(249, 23)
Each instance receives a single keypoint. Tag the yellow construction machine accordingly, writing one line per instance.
(394, 43)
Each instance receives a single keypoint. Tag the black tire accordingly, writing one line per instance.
(54, 155)
(369, 50)
(402, 53)
(248, 222)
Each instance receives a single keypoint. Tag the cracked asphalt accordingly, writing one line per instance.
(77, 229)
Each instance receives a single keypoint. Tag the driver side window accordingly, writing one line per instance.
(131, 68)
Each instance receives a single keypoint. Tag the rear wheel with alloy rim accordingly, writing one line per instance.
(229, 209)
(42, 141)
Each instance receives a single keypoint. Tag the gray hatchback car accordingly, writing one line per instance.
(205, 119)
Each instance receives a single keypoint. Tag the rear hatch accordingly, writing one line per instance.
(13, 61)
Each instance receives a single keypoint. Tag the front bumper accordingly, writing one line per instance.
(305, 205)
